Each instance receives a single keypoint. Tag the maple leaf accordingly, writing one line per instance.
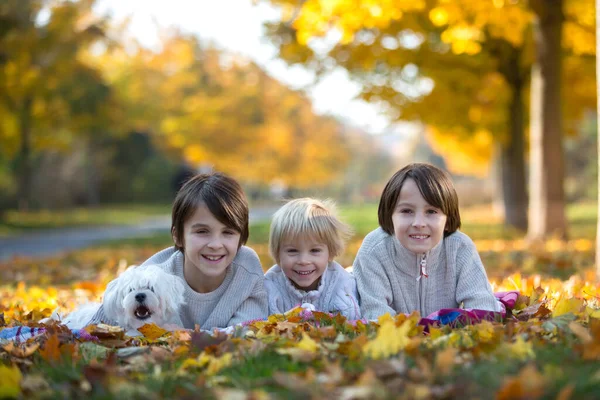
(152, 331)
(565, 306)
(389, 340)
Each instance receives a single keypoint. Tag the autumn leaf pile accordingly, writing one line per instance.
(547, 347)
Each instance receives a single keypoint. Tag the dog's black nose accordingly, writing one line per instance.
(140, 297)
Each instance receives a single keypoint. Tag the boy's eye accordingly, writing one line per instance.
(432, 211)
(316, 250)
(201, 231)
(229, 232)
(405, 210)
(291, 250)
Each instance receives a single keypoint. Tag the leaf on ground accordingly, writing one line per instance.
(51, 350)
(536, 310)
(445, 360)
(10, 381)
(527, 384)
(92, 351)
(20, 351)
(202, 340)
(564, 306)
(389, 340)
(34, 384)
(103, 331)
(152, 331)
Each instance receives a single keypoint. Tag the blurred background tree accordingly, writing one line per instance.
(465, 68)
(88, 115)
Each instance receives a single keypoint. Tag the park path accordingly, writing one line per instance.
(43, 243)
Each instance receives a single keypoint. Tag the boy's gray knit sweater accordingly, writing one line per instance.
(336, 292)
(241, 297)
(386, 275)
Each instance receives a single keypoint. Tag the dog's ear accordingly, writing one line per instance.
(171, 296)
(113, 298)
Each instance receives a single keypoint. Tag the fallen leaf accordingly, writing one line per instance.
(22, 351)
(51, 350)
(10, 381)
(445, 360)
(152, 331)
(202, 340)
(564, 306)
(389, 340)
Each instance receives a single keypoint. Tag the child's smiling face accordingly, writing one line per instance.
(418, 225)
(303, 260)
(209, 248)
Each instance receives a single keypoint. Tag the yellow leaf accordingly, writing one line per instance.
(565, 306)
(592, 313)
(522, 350)
(215, 364)
(308, 344)
(484, 331)
(10, 381)
(152, 331)
(389, 340)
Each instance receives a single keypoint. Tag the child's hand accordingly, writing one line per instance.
(308, 306)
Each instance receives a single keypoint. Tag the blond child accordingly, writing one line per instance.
(305, 237)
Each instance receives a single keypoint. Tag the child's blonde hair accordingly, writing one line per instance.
(308, 217)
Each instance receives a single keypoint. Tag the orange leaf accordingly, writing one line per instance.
(21, 352)
(152, 331)
(51, 351)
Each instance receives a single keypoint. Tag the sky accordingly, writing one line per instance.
(236, 26)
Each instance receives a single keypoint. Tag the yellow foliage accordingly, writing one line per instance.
(390, 340)
(521, 350)
(464, 154)
(10, 380)
(307, 344)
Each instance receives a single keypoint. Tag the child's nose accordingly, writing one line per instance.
(419, 220)
(303, 259)
(215, 242)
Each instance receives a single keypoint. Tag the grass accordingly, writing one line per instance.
(15, 222)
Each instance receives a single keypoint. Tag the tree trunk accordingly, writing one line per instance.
(547, 198)
(25, 168)
(598, 119)
(512, 154)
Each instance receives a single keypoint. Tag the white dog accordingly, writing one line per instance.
(139, 296)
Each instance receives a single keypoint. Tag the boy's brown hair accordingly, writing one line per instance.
(222, 195)
(434, 184)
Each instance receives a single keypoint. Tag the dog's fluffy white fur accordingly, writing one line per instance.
(139, 296)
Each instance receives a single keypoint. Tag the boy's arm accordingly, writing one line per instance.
(253, 307)
(472, 287)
